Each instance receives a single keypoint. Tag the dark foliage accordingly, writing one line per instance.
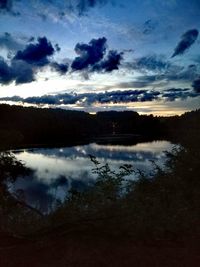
(15, 213)
(165, 206)
(20, 126)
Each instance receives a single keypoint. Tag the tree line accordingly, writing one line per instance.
(21, 126)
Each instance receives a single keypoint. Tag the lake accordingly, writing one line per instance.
(57, 170)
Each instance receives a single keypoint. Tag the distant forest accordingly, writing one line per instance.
(27, 126)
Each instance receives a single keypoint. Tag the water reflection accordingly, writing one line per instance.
(56, 170)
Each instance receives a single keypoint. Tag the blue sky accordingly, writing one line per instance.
(101, 54)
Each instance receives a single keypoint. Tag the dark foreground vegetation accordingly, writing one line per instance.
(154, 221)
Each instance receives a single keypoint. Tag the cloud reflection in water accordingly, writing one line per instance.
(57, 170)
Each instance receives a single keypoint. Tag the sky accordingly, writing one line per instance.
(100, 55)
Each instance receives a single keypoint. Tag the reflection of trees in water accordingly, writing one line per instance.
(103, 152)
(166, 205)
(10, 169)
(14, 211)
(45, 188)
(73, 171)
(44, 195)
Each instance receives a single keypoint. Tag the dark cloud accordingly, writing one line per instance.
(89, 54)
(37, 53)
(5, 72)
(61, 68)
(92, 57)
(126, 96)
(173, 73)
(187, 73)
(111, 63)
(178, 93)
(118, 96)
(150, 96)
(17, 71)
(27, 62)
(88, 98)
(196, 85)
(156, 69)
(6, 7)
(156, 63)
(22, 72)
(187, 39)
(46, 99)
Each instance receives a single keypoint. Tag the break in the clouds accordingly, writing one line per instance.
(187, 40)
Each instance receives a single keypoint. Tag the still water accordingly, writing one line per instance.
(57, 170)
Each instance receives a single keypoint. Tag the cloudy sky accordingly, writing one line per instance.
(101, 54)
